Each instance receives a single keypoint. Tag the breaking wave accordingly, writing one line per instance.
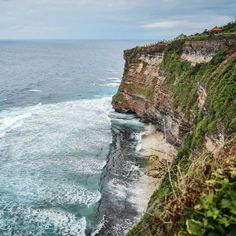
(52, 156)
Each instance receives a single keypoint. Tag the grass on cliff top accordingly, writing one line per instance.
(228, 32)
(230, 27)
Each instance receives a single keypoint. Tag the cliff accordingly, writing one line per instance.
(187, 89)
(146, 90)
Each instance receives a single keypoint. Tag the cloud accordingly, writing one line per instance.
(163, 24)
(190, 22)
(106, 19)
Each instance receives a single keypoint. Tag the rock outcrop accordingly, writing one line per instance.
(145, 91)
(203, 51)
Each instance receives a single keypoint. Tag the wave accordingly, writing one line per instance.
(139, 137)
(15, 118)
(115, 79)
(112, 71)
(113, 84)
(37, 222)
(149, 129)
(65, 78)
(118, 188)
(100, 225)
(57, 152)
(12, 122)
(35, 90)
(125, 120)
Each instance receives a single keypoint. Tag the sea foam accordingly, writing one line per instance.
(53, 156)
(11, 121)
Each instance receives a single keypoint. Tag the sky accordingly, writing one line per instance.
(111, 19)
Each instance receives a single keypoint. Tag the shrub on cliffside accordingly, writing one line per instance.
(216, 213)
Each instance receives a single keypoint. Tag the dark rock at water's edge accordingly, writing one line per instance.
(116, 211)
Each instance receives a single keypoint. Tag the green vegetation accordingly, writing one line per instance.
(182, 187)
(217, 78)
(230, 27)
(146, 91)
(228, 32)
(119, 97)
(216, 212)
(211, 35)
(187, 203)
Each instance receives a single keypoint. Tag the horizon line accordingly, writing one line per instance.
(68, 39)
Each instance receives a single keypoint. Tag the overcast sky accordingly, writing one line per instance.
(110, 19)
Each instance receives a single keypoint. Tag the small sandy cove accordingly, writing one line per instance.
(159, 154)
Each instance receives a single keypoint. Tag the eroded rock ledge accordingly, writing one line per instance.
(203, 51)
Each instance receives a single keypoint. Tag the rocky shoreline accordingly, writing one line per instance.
(158, 152)
(136, 164)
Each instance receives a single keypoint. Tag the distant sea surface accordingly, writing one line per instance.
(55, 133)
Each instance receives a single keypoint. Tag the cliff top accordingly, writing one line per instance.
(228, 32)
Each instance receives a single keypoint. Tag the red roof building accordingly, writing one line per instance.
(216, 29)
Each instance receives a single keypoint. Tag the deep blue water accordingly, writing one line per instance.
(57, 71)
(55, 132)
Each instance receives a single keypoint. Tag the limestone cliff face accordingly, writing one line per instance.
(203, 51)
(145, 90)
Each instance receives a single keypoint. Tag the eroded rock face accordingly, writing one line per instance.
(215, 143)
(203, 51)
(202, 95)
(145, 91)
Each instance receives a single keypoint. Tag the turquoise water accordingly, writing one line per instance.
(55, 133)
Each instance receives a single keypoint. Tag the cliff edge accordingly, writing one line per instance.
(187, 89)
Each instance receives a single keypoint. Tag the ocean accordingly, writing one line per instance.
(58, 131)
